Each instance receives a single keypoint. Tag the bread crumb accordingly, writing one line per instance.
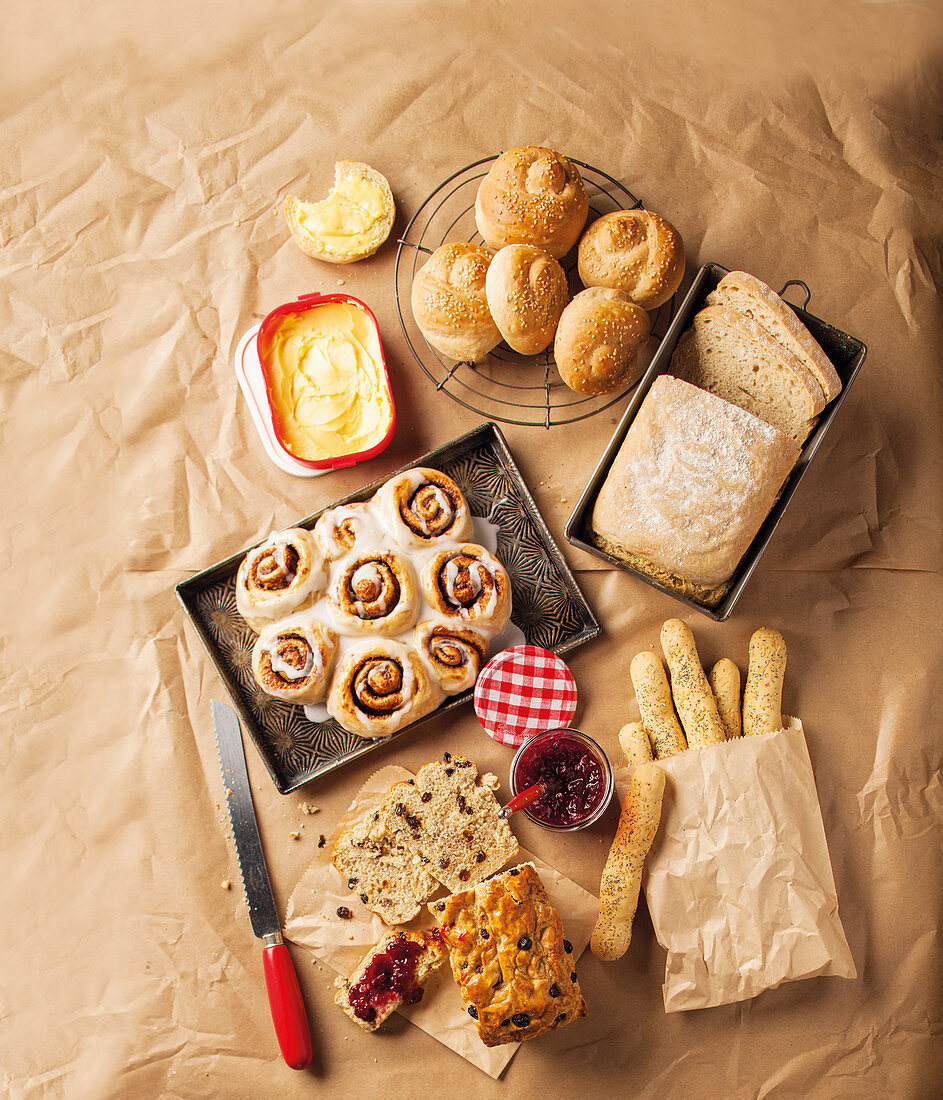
(322, 840)
(294, 836)
(237, 223)
(226, 884)
(340, 282)
(307, 808)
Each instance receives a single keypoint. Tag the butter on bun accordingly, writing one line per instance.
(527, 291)
(598, 341)
(532, 195)
(351, 222)
(449, 302)
(635, 251)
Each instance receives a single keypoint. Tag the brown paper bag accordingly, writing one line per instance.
(738, 881)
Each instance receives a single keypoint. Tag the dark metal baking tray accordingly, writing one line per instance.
(846, 353)
(549, 608)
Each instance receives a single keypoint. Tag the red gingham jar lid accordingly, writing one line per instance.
(522, 691)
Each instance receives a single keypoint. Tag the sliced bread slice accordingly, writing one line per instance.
(392, 881)
(390, 974)
(745, 293)
(730, 355)
(449, 816)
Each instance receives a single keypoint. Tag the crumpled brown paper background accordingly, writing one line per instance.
(145, 147)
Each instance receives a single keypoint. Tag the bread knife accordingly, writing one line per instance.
(281, 981)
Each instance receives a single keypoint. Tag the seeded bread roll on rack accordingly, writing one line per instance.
(449, 302)
(527, 292)
(599, 337)
(636, 251)
(532, 195)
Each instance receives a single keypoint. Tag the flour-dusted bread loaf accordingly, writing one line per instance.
(509, 957)
(691, 485)
(745, 293)
(390, 974)
(449, 815)
(449, 303)
(729, 354)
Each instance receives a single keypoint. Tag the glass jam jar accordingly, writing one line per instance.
(577, 775)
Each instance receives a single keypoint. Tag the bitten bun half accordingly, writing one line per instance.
(598, 341)
(527, 292)
(635, 251)
(532, 195)
(450, 305)
(351, 222)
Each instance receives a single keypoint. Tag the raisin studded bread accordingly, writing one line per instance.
(440, 828)
(509, 957)
(744, 293)
(451, 817)
(390, 974)
(730, 355)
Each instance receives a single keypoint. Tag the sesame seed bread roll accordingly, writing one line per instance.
(598, 341)
(635, 251)
(526, 291)
(449, 302)
(762, 696)
(693, 698)
(654, 703)
(636, 747)
(724, 680)
(622, 875)
(532, 195)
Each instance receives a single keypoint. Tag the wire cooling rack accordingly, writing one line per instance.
(504, 386)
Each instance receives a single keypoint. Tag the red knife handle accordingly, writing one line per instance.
(288, 1010)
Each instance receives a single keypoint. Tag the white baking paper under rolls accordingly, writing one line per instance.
(738, 881)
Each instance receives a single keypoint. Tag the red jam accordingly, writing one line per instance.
(573, 774)
(390, 976)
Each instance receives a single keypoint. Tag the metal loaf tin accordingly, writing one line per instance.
(549, 609)
(846, 354)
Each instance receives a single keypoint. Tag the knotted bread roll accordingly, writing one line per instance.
(635, 251)
(527, 292)
(598, 341)
(532, 195)
(449, 303)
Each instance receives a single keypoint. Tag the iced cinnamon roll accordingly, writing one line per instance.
(283, 575)
(376, 593)
(339, 529)
(380, 686)
(291, 660)
(454, 653)
(470, 585)
(423, 506)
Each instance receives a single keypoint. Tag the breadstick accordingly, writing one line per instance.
(763, 694)
(725, 682)
(693, 698)
(635, 744)
(622, 875)
(654, 703)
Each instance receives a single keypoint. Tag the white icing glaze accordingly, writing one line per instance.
(313, 661)
(370, 532)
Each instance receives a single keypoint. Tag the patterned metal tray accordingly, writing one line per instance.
(549, 608)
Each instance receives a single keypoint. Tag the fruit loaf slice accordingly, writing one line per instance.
(728, 354)
(390, 974)
(747, 294)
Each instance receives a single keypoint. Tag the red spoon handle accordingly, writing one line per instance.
(288, 1010)
(524, 799)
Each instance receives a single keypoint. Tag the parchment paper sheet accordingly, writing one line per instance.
(312, 921)
(145, 150)
(738, 880)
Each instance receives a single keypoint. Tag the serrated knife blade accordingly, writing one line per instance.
(284, 993)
